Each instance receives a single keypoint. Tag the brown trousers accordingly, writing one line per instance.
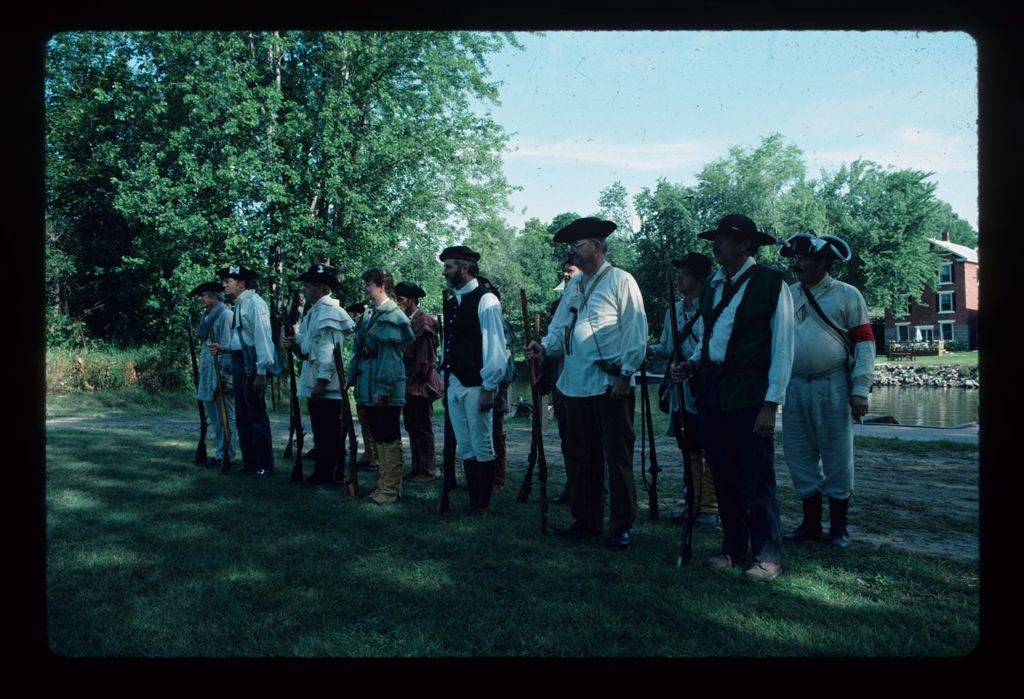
(599, 429)
(417, 417)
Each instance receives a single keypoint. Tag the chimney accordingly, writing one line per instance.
(945, 236)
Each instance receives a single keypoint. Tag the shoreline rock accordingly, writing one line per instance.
(942, 376)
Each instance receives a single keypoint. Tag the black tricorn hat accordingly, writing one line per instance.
(237, 272)
(207, 288)
(458, 252)
(738, 224)
(585, 229)
(828, 246)
(409, 290)
(319, 274)
(699, 265)
(356, 308)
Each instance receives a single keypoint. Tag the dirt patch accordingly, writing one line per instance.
(934, 497)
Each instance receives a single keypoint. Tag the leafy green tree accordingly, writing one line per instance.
(763, 183)
(886, 216)
(272, 149)
(960, 231)
(668, 230)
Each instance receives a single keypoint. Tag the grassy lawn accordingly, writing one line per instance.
(961, 358)
(150, 556)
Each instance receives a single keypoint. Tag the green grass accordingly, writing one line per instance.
(909, 446)
(150, 556)
(133, 400)
(960, 358)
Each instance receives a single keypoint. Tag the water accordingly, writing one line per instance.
(918, 406)
(925, 406)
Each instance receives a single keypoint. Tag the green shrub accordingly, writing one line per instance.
(62, 331)
(954, 346)
(161, 367)
(97, 366)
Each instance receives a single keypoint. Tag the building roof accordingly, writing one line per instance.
(961, 251)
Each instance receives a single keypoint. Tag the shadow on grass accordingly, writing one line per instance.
(152, 556)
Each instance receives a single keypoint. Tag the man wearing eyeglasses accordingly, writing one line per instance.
(600, 331)
(833, 369)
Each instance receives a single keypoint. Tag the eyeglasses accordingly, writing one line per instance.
(579, 244)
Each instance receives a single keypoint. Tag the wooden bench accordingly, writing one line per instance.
(898, 351)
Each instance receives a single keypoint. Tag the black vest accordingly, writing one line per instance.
(748, 356)
(463, 341)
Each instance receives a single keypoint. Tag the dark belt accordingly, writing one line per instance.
(239, 354)
(720, 369)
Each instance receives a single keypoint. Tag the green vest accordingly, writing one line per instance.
(748, 355)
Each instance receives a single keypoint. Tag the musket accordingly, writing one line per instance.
(200, 457)
(537, 442)
(448, 454)
(647, 428)
(225, 464)
(689, 512)
(295, 427)
(348, 430)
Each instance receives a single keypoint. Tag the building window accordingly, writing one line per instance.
(946, 302)
(924, 333)
(946, 330)
(902, 332)
(946, 273)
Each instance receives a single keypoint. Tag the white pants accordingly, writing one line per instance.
(212, 408)
(474, 428)
(817, 435)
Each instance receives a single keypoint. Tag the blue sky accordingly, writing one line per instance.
(589, 108)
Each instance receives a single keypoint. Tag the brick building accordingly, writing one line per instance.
(949, 312)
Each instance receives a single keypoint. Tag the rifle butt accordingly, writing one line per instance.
(297, 476)
(685, 540)
(655, 512)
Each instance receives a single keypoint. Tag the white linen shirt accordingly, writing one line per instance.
(782, 332)
(251, 326)
(319, 348)
(611, 326)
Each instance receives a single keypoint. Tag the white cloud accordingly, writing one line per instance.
(640, 157)
(918, 149)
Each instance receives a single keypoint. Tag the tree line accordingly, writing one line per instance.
(170, 154)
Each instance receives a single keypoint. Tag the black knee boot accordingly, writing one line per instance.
(837, 516)
(471, 467)
(810, 528)
(487, 472)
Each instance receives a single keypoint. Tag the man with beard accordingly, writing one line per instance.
(833, 369)
(600, 330)
(743, 366)
(475, 357)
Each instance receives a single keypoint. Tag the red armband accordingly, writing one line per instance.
(862, 333)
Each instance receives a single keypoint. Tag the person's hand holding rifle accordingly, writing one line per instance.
(680, 371)
(225, 464)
